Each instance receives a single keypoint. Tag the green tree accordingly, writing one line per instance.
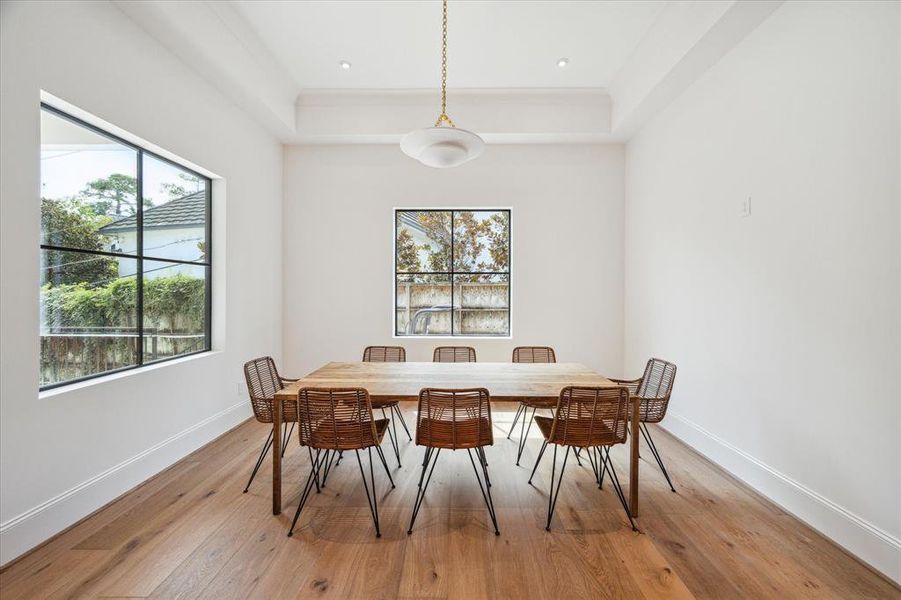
(188, 185)
(176, 300)
(69, 223)
(112, 195)
(120, 297)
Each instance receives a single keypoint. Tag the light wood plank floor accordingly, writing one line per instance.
(190, 533)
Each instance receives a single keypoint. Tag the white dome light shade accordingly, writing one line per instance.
(442, 147)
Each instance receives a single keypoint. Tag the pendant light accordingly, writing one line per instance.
(445, 144)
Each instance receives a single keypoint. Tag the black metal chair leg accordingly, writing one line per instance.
(552, 497)
(522, 434)
(400, 417)
(480, 452)
(420, 494)
(262, 456)
(371, 499)
(618, 488)
(576, 451)
(396, 441)
(316, 475)
(647, 436)
(488, 490)
(610, 468)
(525, 435)
(591, 461)
(515, 419)
(375, 498)
(329, 458)
(385, 464)
(602, 463)
(337, 462)
(287, 437)
(425, 461)
(392, 438)
(484, 488)
(538, 460)
(314, 469)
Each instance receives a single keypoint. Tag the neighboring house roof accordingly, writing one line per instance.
(186, 211)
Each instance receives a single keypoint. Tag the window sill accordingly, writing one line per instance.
(102, 379)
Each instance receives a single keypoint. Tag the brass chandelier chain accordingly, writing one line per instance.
(443, 118)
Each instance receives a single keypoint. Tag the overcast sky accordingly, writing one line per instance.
(67, 169)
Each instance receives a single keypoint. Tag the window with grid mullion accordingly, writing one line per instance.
(125, 247)
(452, 272)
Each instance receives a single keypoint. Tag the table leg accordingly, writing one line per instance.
(633, 467)
(276, 456)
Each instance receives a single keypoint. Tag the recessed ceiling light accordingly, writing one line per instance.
(344, 65)
(562, 62)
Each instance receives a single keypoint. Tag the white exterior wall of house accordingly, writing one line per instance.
(176, 243)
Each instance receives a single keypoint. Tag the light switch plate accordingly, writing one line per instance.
(745, 210)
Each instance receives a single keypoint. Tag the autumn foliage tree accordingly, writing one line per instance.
(480, 243)
(407, 253)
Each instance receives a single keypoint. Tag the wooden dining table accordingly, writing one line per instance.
(403, 381)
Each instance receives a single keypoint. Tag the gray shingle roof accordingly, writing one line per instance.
(186, 211)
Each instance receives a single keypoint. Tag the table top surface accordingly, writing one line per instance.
(403, 380)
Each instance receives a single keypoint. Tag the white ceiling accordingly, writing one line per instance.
(492, 44)
(279, 61)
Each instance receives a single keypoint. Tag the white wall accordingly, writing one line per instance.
(784, 325)
(65, 454)
(567, 247)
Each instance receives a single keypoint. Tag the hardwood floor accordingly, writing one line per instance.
(190, 533)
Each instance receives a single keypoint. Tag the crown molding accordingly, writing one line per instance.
(686, 39)
(498, 115)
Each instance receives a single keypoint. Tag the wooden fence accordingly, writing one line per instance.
(478, 308)
(72, 353)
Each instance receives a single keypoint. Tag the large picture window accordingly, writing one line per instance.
(452, 272)
(125, 254)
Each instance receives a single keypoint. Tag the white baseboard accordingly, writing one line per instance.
(872, 545)
(27, 530)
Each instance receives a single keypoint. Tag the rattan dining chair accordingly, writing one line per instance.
(454, 354)
(589, 418)
(389, 354)
(530, 354)
(454, 420)
(338, 420)
(263, 381)
(653, 390)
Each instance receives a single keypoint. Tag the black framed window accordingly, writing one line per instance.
(452, 272)
(125, 254)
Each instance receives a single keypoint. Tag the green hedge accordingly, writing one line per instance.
(177, 302)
